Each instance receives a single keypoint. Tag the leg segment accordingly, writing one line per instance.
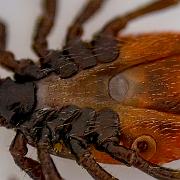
(6, 58)
(48, 167)
(2, 36)
(117, 24)
(44, 27)
(18, 150)
(85, 159)
(75, 30)
(131, 158)
(24, 68)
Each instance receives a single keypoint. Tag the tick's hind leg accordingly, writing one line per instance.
(18, 150)
(117, 24)
(43, 27)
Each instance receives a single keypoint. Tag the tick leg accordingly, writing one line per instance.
(24, 68)
(48, 167)
(6, 58)
(106, 47)
(85, 159)
(18, 150)
(2, 36)
(117, 24)
(131, 158)
(77, 50)
(76, 30)
(43, 27)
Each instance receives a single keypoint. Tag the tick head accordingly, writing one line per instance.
(16, 101)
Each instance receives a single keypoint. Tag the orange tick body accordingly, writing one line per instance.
(149, 104)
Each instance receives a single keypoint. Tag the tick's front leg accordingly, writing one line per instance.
(18, 150)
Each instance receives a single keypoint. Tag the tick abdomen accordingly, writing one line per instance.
(155, 85)
(136, 109)
(149, 94)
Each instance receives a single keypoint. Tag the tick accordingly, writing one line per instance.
(113, 99)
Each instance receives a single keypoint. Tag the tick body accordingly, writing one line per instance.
(88, 104)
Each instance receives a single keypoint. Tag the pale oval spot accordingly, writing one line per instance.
(118, 87)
